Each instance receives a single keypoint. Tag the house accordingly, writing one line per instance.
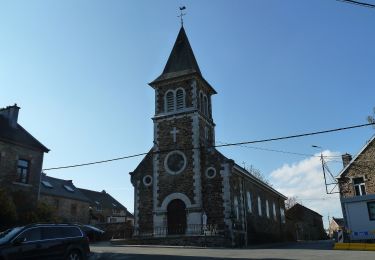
(105, 209)
(69, 203)
(335, 225)
(304, 224)
(184, 187)
(357, 192)
(21, 159)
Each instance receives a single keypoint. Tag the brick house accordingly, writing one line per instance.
(357, 192)
(21, 159)
(304, 224)
(70, 204)
(184, 186)
(106, 209)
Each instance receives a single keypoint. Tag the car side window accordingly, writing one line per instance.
(51, 232)
(71, 232)
(30, 235)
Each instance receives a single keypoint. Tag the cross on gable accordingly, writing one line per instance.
(174, 133)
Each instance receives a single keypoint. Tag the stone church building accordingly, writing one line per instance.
(185, 190)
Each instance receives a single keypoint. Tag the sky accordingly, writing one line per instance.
(80, 70)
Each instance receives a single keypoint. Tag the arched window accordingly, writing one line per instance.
(201, 101)
(180, 99)
(236, 208)
(249, 204)
(205, 106)
(169, 101)
(259, 206)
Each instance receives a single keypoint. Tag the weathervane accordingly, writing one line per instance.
(181, 15)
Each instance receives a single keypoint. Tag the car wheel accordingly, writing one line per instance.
(74, 255)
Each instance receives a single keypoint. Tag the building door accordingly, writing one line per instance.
(176, 217)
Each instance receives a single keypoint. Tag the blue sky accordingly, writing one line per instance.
(79, 71)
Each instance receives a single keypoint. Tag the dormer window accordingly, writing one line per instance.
(359, 186)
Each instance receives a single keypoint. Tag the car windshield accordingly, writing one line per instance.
(6, 235)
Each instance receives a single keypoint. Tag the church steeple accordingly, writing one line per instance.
(181, 61)
(182, 57)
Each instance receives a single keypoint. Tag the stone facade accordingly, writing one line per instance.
(68, 210)
(18, 148)
(304, 224)
(362, 166)
(357, 193)
(184, 186)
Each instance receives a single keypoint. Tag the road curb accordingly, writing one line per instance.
(354, 246)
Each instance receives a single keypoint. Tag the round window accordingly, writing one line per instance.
(147, 180)
(210, 173)
(175, 162)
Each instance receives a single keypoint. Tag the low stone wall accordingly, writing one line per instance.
(201, 241)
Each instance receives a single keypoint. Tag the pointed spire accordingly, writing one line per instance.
(181, 61)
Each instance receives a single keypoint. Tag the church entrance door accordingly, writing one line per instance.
(176, 217)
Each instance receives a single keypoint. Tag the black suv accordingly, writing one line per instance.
(44, 241)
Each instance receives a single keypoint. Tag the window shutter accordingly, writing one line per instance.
(170, 101)
(180, 99)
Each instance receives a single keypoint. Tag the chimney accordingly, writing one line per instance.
(11, 113)
(346, 158)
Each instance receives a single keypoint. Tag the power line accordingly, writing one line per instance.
(214, 146)
(357, 3)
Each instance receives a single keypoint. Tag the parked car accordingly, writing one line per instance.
(93, 233)
(44, 241)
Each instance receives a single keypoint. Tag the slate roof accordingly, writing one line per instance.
(105, 200)
(58, 189)
(297, 209)
(19, 135)
(339, 221)
(181, 61)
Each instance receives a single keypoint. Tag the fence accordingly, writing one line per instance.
(188, 230)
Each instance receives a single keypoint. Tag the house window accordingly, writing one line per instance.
(282, 215)
(359, 186)
(236, 208)
(267, 209)
(249, 204)
(73, 209)
(56, 203)
(259, 206)
(98, 206)
(274, 211)
(23, 168)
(169, 101)
(180, 99)
(371, 210)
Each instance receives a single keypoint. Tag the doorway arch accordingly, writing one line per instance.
(176, 217)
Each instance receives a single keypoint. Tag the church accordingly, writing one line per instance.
(185, 191)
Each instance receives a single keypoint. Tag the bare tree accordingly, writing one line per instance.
(291, 201)
(257, 174)
(371, 118)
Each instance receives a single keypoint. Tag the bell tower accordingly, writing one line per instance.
(183, 130)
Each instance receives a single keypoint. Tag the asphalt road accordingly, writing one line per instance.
(316, 250)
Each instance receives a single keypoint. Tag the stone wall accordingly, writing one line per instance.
(10, 154)
(363, 166)
(63, 208)
(259, 227)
